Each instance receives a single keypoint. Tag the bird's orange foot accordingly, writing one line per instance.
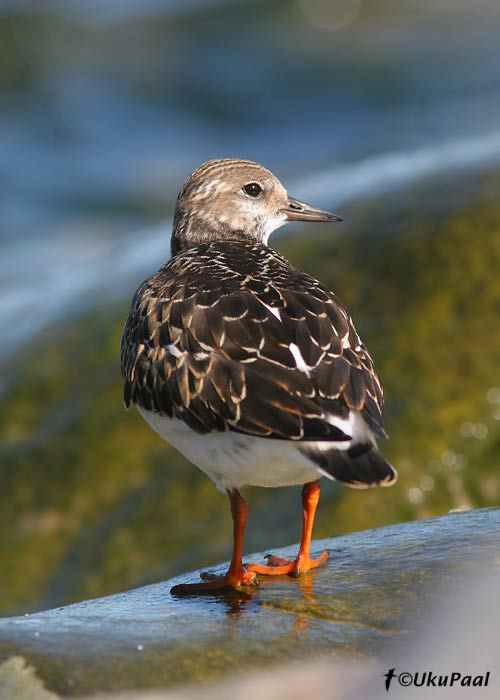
(211, 583)
(277, 566)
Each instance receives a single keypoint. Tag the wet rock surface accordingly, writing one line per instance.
(368, 596)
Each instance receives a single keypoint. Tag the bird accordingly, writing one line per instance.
(250, 368)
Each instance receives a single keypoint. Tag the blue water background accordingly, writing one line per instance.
(106, 107)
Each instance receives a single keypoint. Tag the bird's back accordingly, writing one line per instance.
(228, 336)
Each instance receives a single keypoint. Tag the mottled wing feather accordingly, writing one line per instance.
(216, 353)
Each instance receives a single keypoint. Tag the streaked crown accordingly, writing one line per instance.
(235, 199)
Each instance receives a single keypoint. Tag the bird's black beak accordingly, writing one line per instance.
(299, 211)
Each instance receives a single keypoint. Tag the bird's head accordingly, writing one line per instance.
(235, 199)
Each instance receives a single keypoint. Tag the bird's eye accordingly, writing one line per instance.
(253, 189)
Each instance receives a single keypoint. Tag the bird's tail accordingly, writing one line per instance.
(360, 466)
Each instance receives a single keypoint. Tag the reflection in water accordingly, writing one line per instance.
(297, 598)
(235, 601)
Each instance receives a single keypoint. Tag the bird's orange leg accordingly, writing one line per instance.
(236, 575)
(276, 565)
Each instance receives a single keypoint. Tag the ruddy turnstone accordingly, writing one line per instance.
(250, 368)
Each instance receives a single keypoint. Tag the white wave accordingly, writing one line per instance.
(96, 11)
(389, 170)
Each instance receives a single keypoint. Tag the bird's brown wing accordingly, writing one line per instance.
(222, 360)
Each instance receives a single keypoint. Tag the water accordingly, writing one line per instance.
(106, 107)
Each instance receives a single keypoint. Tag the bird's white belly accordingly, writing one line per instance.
(233, 460)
